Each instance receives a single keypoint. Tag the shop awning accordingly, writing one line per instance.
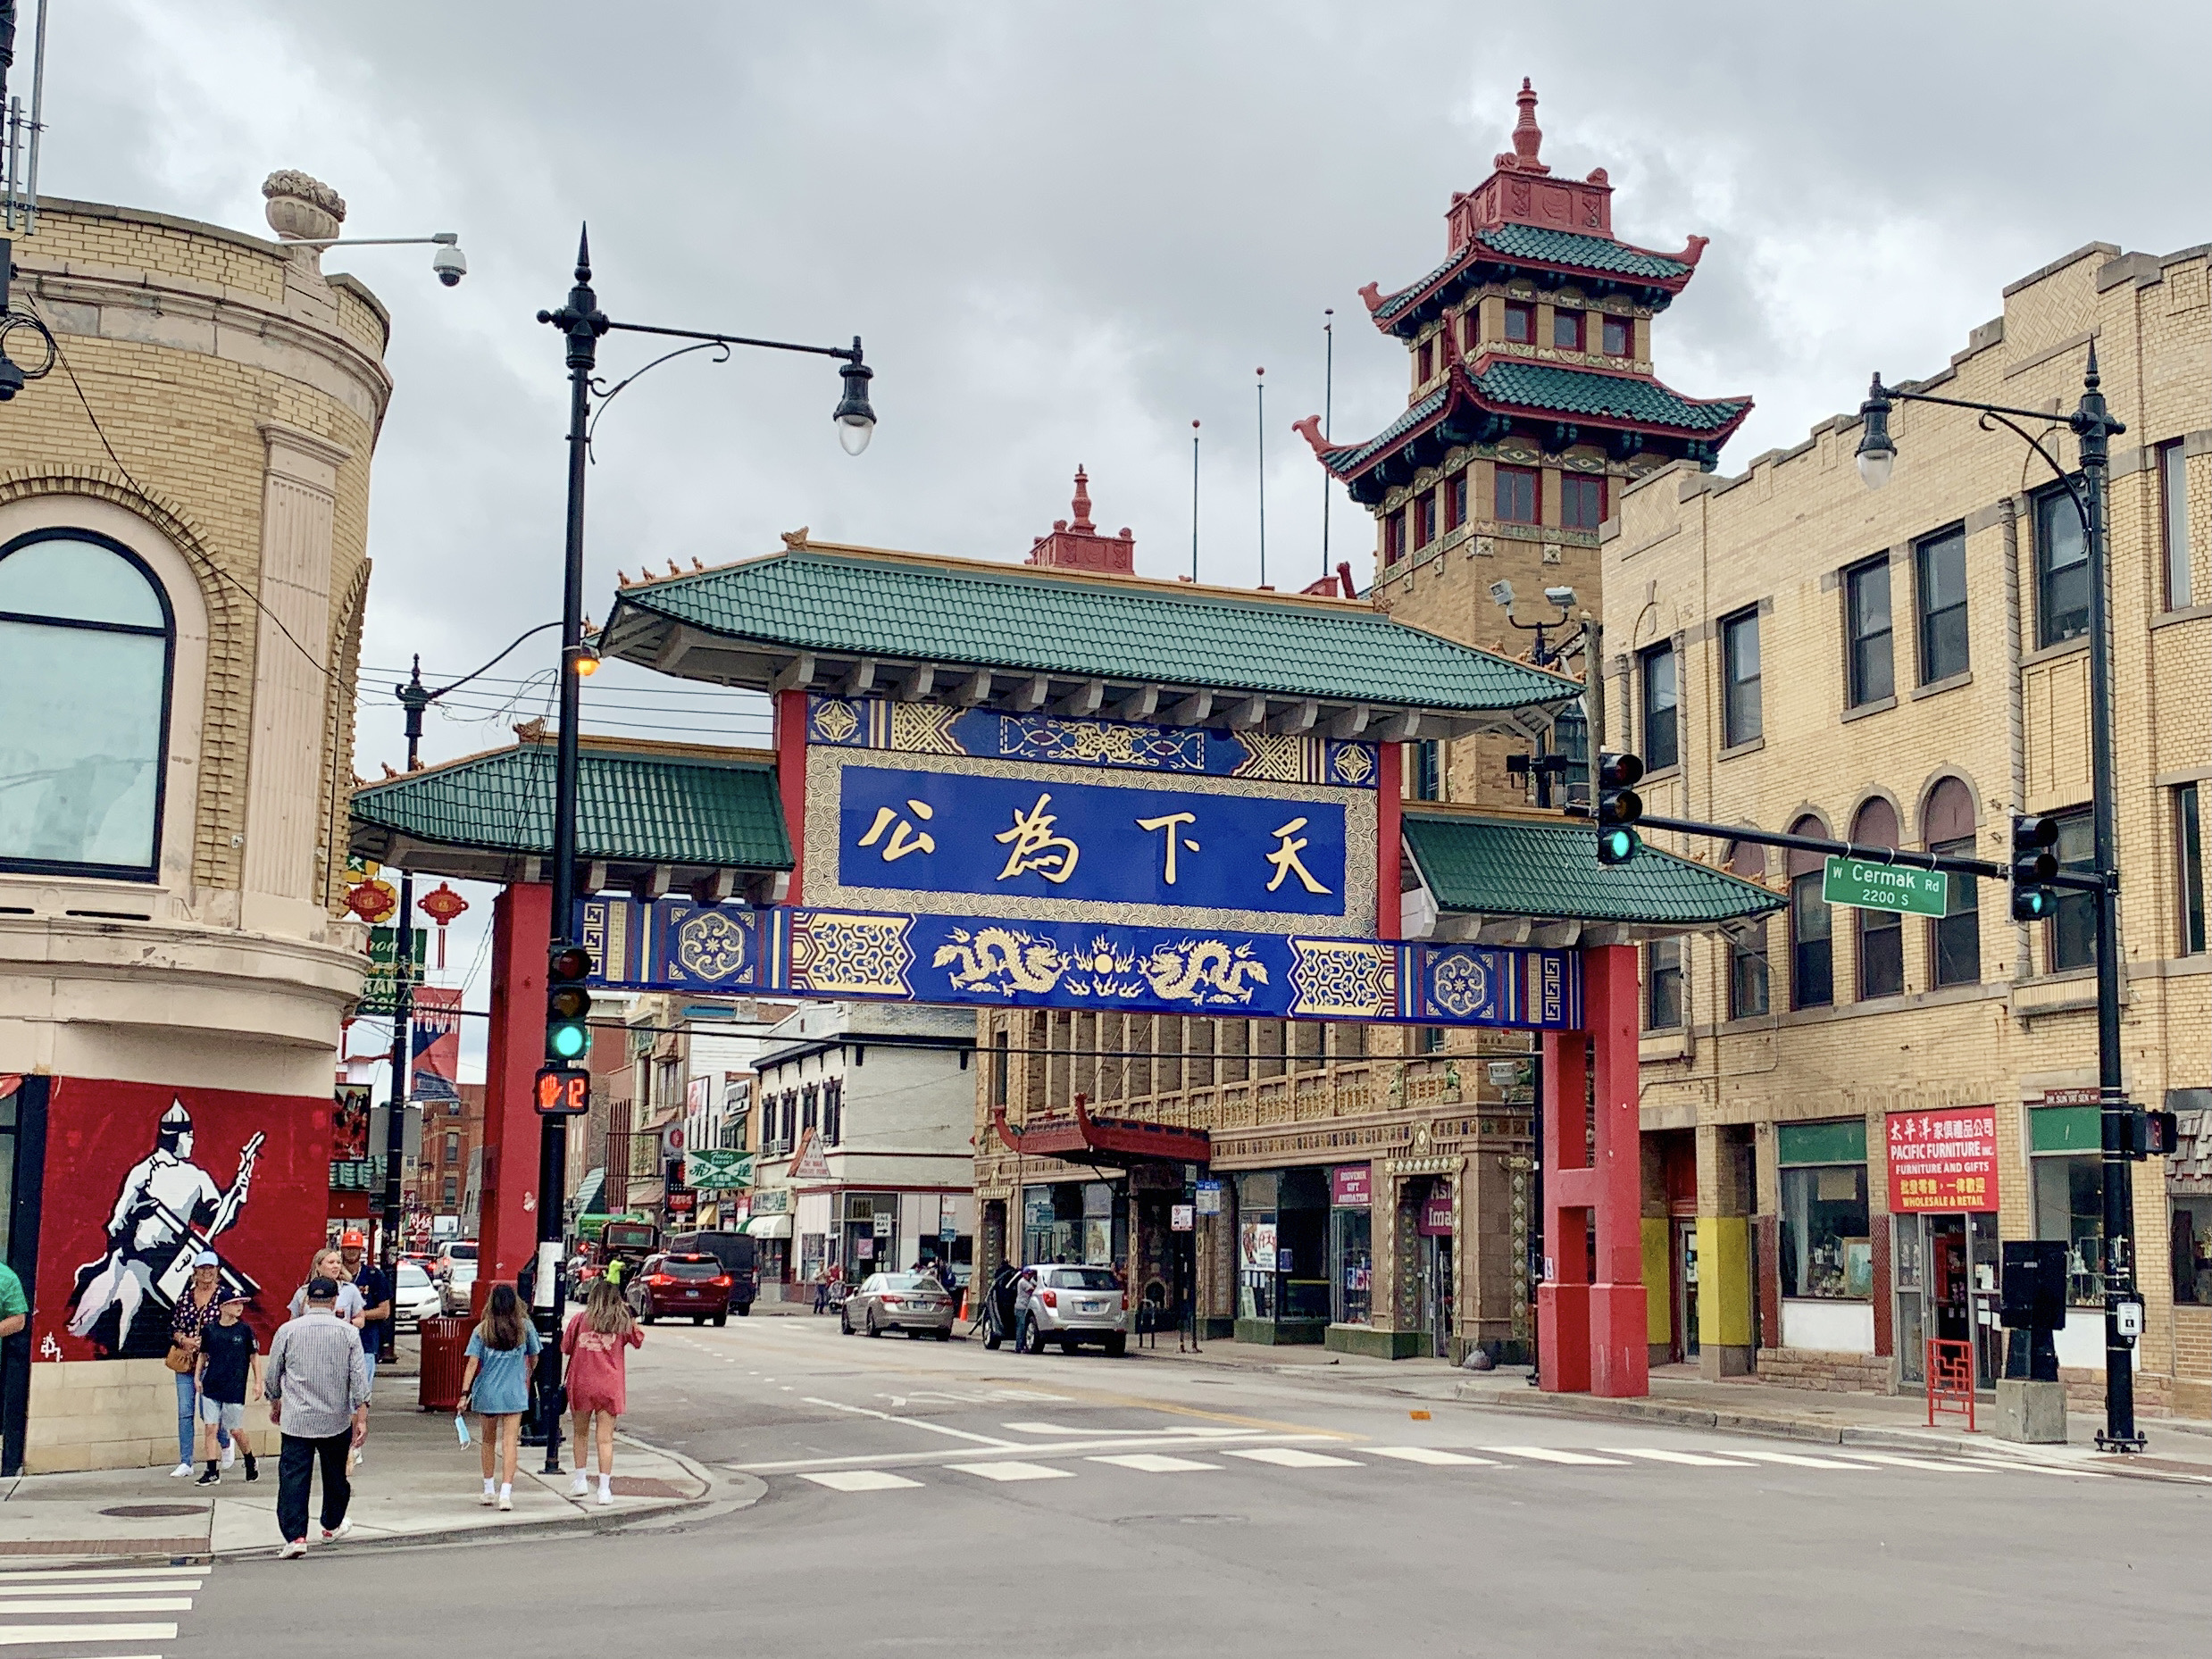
(769, 1226)
(1120, 1141)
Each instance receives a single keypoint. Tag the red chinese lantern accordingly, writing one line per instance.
(441, 905)
(373, 900)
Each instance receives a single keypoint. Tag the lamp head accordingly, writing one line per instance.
(1561, 599)
(854, 414)
(1877, 453)
(1501, 594)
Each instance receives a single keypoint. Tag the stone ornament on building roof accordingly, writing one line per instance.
(302, 208)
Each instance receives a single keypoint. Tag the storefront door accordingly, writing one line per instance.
(1686, 1289)
(1437, 1276)
(1946, 1289)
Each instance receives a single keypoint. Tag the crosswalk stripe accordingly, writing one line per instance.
(1290, 1457)
(24, 1635)
(141, 1586)
(1013, 1471)
(1689, 1460)
(1948, 1466)
(1552, 1455)
(2044, 1469)
(859, 1479)
(54, 1574)
(1153, 1463)
(149, 1603)
(1430, 1455)
(1798, 1460)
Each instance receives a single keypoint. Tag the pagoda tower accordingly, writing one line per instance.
(1532, 403)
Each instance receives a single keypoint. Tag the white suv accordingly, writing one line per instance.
(1070, 1304)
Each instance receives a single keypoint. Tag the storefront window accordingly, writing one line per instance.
(2190, 1241)
(1073, 1221)
(1255, 1265)
(2064, 1149)
(1351, 1246)
(1827, 1245)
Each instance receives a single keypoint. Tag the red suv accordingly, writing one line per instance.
(677, 1286)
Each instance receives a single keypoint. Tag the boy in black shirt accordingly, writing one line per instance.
(230, 1363)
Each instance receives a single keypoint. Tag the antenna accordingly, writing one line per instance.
(1328, 391)
(18, 210)
(1260, 386)
(1194, 501)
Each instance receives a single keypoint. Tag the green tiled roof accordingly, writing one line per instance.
(1608, 396)
(1568, 248)
(632, 807)
(1353, 456)
(1516, 867)
(1019, 620)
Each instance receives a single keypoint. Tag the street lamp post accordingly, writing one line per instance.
(2093, 428)
(582, 323)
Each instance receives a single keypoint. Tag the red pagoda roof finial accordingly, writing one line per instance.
(1082, 501)
(1528, 138)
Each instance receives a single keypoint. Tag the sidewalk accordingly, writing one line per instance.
(416, 1484)
(2180, 1448)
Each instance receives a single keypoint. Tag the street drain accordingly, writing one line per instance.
(153, 1512)
(1180, 1521)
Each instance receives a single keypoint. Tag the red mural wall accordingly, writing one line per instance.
(140, 1177)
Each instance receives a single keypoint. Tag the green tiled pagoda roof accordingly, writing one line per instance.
(1016, 618)
(634, 806)
(1522, 385)
(1522, 867)
(1538, 245)
(1353, 456)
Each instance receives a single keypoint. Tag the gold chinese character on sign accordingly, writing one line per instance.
(905, 837)
(1034, 846)
(1285, 857)
(1172, 824)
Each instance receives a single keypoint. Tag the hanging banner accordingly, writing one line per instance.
(377, 993)
(436, 1044)
(1944, 1161)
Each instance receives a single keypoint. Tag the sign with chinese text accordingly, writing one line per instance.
(378, 992)
(1870, 884)
(1943, 1160)
(717, 1169)
(1351, 1185)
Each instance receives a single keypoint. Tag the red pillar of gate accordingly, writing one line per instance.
(1562, 1299)
(521, 936)
(1389, 851)
(790, 740)
(1619, 1357)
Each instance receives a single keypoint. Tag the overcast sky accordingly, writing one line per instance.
(1066, 231)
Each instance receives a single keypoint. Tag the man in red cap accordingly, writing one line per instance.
(376, 1294)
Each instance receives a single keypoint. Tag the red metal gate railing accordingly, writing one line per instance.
(1951, 1380)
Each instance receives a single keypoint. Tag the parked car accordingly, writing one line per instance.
(737, 1254)
(678, 1286)
(417, 1296)
(455, 1283)
(913, 1303)
(1071, 1305)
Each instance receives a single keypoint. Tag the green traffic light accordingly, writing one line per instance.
(568, 1042)
(2032, 903)
(1617, 845)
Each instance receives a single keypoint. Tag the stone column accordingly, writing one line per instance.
(1726, 1285)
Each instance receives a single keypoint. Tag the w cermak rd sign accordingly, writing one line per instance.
(1869, 884)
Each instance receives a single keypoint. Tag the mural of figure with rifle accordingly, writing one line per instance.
(168, 1210)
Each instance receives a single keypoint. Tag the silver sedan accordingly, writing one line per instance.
(913, 1303)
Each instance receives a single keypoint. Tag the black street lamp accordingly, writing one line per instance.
(2093, 428)
(581, 323)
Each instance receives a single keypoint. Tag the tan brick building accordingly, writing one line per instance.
(1931, 657)
(183, 565)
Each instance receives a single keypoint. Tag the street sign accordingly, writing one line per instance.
(947, 1231)
(563, 1092)
(1180, 1218)
(1870, 884)
(1209, 1195)
(717, 1169)
(884, 1224)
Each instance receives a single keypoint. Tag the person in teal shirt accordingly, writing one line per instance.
(495, 1384)
(14, 1306)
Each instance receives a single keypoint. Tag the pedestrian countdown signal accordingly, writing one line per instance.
(563, 1092)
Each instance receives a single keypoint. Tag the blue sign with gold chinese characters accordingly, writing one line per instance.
(800, 951)
(1113, 844)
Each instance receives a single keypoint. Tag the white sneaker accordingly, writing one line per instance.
(507, 1498)
(230, 1454)
(331, 1535)
(488, 1495)
(581, 1486)
(293, 1550)
(180, 1471)
(606, 1495)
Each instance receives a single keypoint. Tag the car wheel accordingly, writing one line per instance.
(1117, 1345)
(647, 1316)
(843, 1324)
(875, 1329)
(745, 1310)
(721, 1320)
(946, 1335)
(699, 1319)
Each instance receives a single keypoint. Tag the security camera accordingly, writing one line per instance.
(1501, 593)
(1562, 597)
(448, 262)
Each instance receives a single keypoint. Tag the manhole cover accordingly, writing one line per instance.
(153, 1512)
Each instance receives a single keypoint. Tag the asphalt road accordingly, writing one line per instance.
(919, 1497)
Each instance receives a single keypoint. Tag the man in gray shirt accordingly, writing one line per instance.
(318, 1388)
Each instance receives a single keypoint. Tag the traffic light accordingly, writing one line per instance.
(1618, 807)
(2033, 863)
(568, 1005)
(2155, 1134)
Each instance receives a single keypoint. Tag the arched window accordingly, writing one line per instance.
(1812, 960)
(87, 644)
(1747, 945)
(1881, 932)
(1947, 827)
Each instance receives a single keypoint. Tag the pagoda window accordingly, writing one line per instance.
(1619, 337)
(1393, 538)
(1566, 330)
(1517, 496)
(1581, 501)
(1424, 357)
(1520, 323)
(1424, 520)
(1456, 501)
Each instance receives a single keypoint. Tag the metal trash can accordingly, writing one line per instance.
(445, 1357)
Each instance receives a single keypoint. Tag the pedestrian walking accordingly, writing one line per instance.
(196, 1309)
(319, 1397)
(229, 1375)
(495, 1384)
(821, 1290)
(329, 1262)
(374, 1290)
(597, 1341)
